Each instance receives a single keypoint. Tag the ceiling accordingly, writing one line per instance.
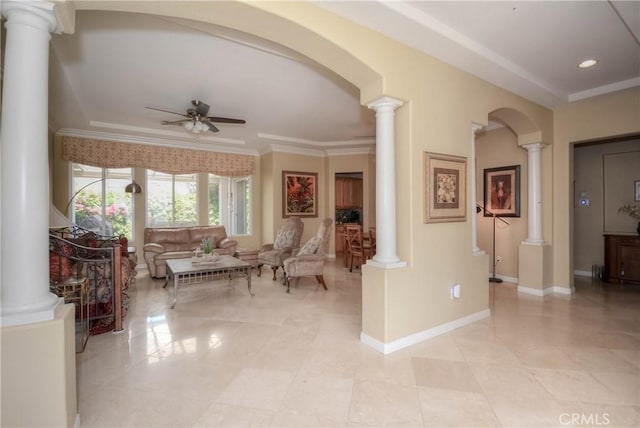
(106, 73)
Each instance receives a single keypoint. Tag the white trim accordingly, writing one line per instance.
(605, 89)
(296, 150)
(582, 273)
(351, 151)
(535, 291)
(386, 265)
(388, 348)
(178, 134)
(566, 291)
(41, 315)
(508, 278)
(546, 291)
(181, 144)
(76, 424)
(283, 139)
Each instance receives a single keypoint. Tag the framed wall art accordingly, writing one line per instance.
(502, 191)
(637, 190)
(299, 194)
(445, 188)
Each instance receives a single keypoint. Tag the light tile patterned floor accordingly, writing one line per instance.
(222, 358)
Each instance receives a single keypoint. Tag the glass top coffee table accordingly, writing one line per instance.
(186, 271)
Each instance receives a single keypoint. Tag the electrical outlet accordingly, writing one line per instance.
(498, 259)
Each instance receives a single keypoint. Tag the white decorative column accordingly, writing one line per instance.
(474, 201)
(535, 194)
(386, 245)
(25, 168)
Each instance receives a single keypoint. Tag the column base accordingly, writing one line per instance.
(386, 264)
(529, 241)
(28, 317)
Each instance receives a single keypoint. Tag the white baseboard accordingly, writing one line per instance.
(508, 278)
(582, 273)
(546, 291)
(388, 348)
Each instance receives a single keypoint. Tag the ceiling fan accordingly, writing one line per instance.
(196, 119)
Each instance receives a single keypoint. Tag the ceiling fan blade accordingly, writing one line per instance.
(211, 126)
(201, 108)
(225, 120)
(167, 111)
(175, 122)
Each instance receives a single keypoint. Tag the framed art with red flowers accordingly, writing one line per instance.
(299, 194)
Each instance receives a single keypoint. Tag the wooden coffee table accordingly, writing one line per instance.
(184, 272)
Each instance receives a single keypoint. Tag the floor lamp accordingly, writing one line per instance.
(493, 277)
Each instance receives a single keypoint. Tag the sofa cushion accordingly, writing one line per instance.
(171, 239)
(217, 233)
(173, 255)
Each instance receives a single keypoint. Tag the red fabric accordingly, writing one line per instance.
(124, 246)
(59, 266)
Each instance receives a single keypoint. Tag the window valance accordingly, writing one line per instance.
(170, 160)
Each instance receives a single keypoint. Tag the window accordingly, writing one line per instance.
(230, 203)
(172, 200)
(101, 204)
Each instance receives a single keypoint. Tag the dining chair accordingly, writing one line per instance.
(355, 245)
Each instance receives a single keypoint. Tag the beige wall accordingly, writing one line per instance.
(605, 174)
(500, 148)
(597, 118)
(275, 163)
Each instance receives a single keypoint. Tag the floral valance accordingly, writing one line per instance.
(170, 160)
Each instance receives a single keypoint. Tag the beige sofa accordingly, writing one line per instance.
(161, 244)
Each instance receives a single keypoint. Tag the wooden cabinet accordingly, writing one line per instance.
(349, 193)
(622, 258)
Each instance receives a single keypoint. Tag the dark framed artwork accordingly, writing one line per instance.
(299, 194)
(445, 188)
(502, 191)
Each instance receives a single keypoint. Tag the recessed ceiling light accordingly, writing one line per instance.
(588, 63)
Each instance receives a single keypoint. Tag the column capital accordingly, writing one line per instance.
(58, 17)
(385, 101)
(475, 127)
(534, 147)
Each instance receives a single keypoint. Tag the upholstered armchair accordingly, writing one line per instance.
(309, 260)
(287, 240)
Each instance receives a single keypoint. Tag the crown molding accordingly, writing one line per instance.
(180, 135)
(152, 141)
(279, 148)
(605, 89)
(351, 151)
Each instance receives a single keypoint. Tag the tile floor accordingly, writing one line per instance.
(222, 358)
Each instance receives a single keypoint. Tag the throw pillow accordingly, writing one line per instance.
(284, 239)
(310, 247)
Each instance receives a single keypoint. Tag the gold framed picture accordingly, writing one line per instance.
(445, 188)
(299, 194)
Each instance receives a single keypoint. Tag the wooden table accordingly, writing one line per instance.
(186, 271)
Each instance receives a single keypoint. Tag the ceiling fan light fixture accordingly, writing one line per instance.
(195, 126)
(588, 63)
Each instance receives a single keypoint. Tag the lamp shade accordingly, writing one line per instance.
(133, 187)
(57, 219)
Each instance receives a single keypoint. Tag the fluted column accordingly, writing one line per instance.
(386, 243)
(25, 168)
(474, 201)
(534, 188)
